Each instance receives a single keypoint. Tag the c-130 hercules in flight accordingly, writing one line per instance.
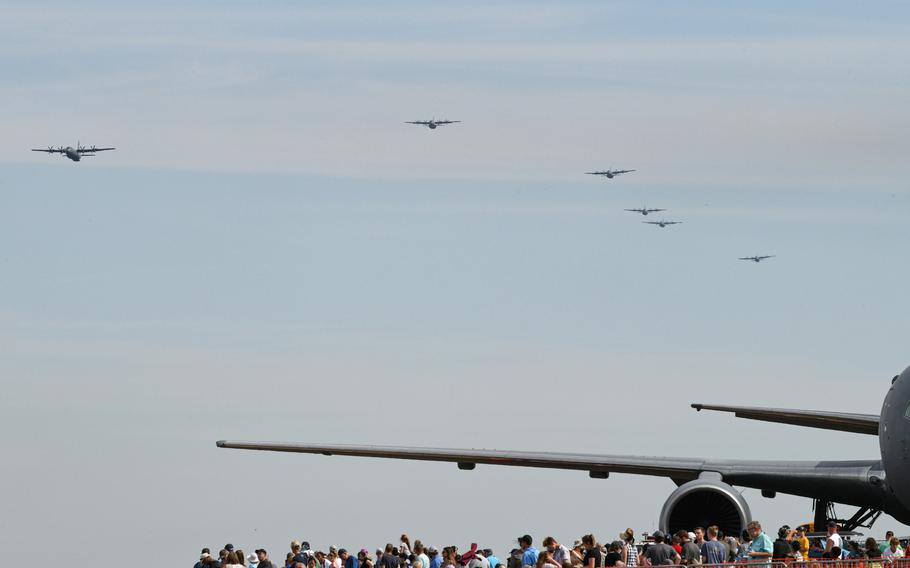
(432, 123)
(705, 494)
(75, 154)
(609, 174)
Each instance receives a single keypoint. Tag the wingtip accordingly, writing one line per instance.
(221, 443)
(698, 406)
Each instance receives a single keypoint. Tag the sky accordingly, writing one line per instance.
(271, 254)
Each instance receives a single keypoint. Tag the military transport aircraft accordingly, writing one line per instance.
(757, 258)
(609, 174)
(705, 494)
(432, 123)
(74, 154)
(644, 211)
(662, 223)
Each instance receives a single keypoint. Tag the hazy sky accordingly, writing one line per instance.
(270, 253)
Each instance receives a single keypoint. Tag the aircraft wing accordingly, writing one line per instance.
(447, 121)
(622, 172)
(423, 122)
(467, 459)
(48, 150)
(841, 421)
(814, 479)
(92, 150)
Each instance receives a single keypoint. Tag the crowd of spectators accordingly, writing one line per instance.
(699, 547)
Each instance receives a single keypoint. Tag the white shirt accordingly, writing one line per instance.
(560, 555)
(835, 540)
(888, 553)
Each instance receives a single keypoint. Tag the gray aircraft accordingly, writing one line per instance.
(757, 258)
(662, 223)
(644, 211)
(75, 154)
(705, 494)
(432, 123)
(609, 174)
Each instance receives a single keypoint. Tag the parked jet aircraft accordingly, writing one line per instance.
(432, 123)
(705, 494)
(609, 174)
(74, 154)
(757, 258)
(644, 211)
(662, 223)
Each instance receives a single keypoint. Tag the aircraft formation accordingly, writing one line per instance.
(663, 223)
(79, 151)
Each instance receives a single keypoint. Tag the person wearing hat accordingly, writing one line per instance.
(834, 539)
(206, 553)
(252, 560)
(263, 557)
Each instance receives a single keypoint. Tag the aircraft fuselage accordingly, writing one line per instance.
(894, 442)
(72, 154)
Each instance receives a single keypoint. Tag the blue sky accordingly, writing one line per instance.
(270, 253)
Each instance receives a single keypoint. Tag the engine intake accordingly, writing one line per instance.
(702, 503)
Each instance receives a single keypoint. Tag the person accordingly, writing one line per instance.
(887, 542)
(528, 553)
(389, 558)
(347, 561)
(894, 549)
(577, 553)
(699, 536)
(691, 552)
(491, 558)
(252, 561)
(712, 550)
(871, 549)
(834, 539)
(421, 555)
(363, 559)
(558, 552)
(762, 547)
(231, 560)
(263, 557)
(782, 549)
(629, 552)
(206, 553)
(545, 560)
(593, 557)
(405, 545)
(613, 559)
(298, 555)
(660, 553)
(676, 542)
(435, 557)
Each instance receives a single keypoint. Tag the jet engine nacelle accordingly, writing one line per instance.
(702, 503)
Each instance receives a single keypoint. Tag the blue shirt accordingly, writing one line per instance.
(494, 562)
(762, 543)
(529, 558)
(351, 562)
(436, 561)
